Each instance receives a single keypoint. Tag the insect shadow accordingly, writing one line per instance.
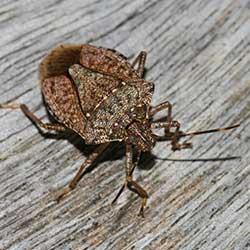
(116, 150)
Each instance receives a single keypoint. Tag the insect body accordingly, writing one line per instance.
(115, 113)
(98, 94)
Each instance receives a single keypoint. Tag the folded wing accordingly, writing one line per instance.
(62, 99)
(108, 62)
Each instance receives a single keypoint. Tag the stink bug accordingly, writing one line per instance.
(100, 95)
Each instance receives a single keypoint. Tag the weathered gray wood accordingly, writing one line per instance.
(199, 59)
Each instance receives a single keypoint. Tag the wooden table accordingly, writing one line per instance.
(199, 60)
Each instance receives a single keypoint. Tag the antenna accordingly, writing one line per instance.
(208, 131)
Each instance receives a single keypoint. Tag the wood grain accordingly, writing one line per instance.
(199, 60)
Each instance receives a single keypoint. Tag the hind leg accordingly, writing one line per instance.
(48, 126)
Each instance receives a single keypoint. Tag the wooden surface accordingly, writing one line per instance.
(199, 59)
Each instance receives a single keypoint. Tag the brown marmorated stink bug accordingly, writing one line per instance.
(102, 97)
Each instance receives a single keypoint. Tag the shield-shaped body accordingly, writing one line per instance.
(93, 92)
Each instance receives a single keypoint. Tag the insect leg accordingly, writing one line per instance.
(174, 137)
(140, 60)
(165, 105)
(91, 158)
(131, 173)
(130, 183)
(170, 123)
(33, 117)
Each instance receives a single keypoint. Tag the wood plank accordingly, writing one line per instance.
(199, 60)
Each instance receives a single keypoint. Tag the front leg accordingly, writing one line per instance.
(174, 136)
(131, 173)
(130, 183)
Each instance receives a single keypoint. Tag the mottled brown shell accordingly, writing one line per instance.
(61, 96)
(86, 97)
(92, 87)
(108, 62)
(59, 91)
